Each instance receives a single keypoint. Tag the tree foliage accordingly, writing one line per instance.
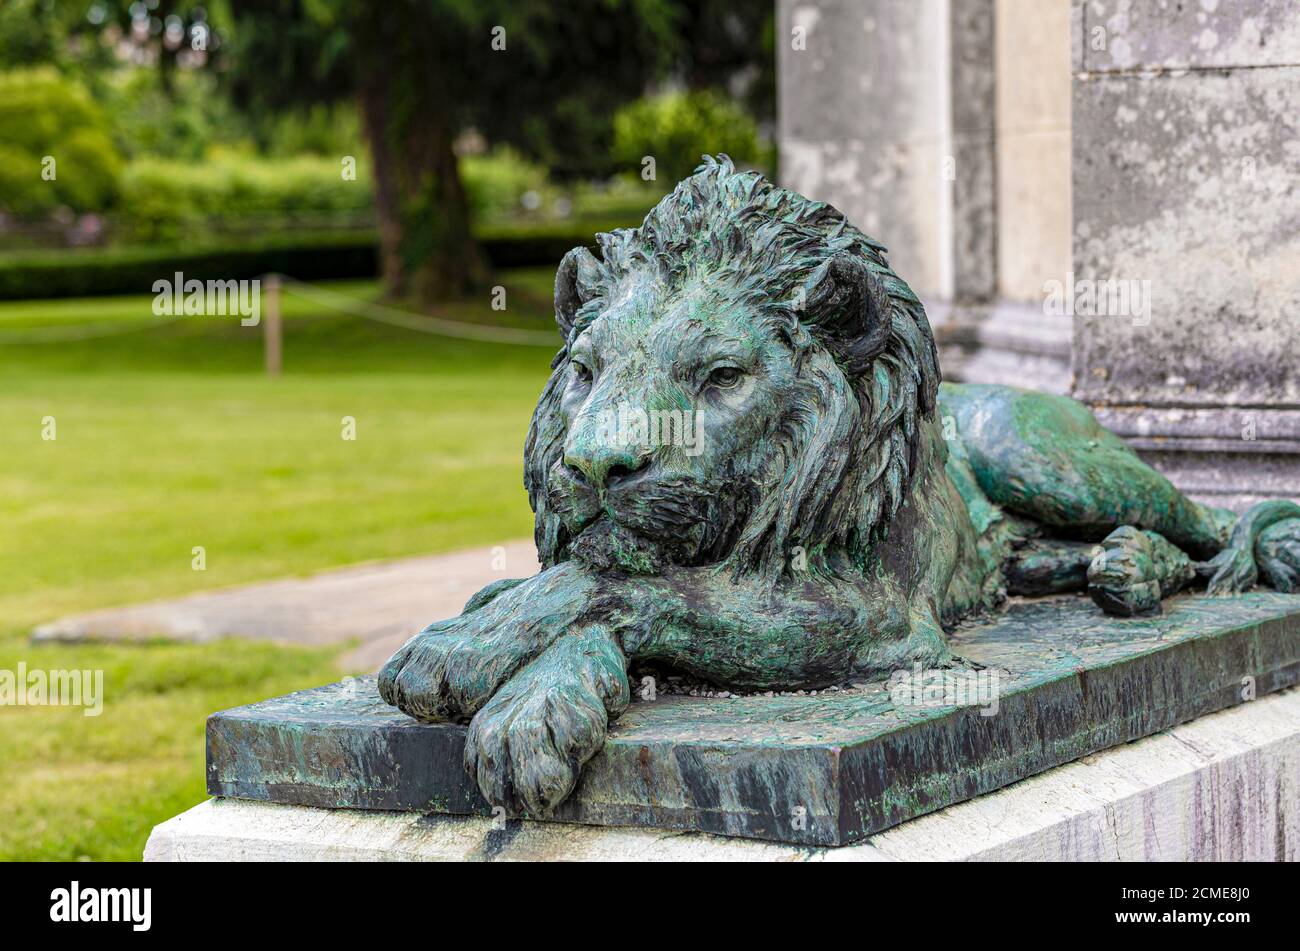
(57, 150)
(550, 92)
(545, 77)
(678, 128)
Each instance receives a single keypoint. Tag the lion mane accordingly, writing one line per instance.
(849, 444)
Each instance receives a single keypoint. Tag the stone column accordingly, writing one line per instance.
(865, 124)
(891, 111)
(1033, 143)
(974, 169)
(1186, 175)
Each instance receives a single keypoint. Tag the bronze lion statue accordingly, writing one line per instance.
(813, 507)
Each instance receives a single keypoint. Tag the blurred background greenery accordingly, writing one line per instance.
(412, 126)
(392, 150)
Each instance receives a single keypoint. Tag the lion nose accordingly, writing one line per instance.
(603, 465)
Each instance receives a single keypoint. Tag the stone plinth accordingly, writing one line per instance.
(1055, 680)
(1225, 787)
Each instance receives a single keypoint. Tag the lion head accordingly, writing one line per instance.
(742, 377)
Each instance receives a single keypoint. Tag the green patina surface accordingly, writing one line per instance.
(822, 770)
(818, 509)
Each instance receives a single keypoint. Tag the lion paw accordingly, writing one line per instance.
(452, 668)
(448, 670)
(1123, 578)
(414, 679)
(526, 748)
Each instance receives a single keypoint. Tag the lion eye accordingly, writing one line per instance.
(582, 371)
(724, 377)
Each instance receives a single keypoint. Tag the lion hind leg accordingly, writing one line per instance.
(1134, 569)
(1047, 458)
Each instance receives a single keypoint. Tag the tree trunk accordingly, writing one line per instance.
(426, 248)
(374, 116)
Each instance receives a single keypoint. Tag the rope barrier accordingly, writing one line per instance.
(424, 324)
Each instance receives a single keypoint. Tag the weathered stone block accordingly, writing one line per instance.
(1188, 182)
(825, 769)
(1197, 34)
(1185, 132)
(1232, 457)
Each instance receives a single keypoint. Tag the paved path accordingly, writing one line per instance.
(380, 604)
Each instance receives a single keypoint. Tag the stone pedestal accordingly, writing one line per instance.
(1047, 682)
(1225, 787)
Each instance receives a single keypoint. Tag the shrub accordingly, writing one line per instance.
(44, 114)
(332, 130)
(677, 128)
(162, 198)
(105, 271)
(166, 199)
(180, 124)
(496, 183)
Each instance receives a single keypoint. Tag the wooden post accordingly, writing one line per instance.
(271, 324)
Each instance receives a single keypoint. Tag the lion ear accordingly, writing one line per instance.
(846, 306)
(574, 281)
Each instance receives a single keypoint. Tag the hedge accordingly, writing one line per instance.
(105, 271)
(101, 272)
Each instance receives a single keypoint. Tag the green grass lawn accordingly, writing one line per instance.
(171, 438)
